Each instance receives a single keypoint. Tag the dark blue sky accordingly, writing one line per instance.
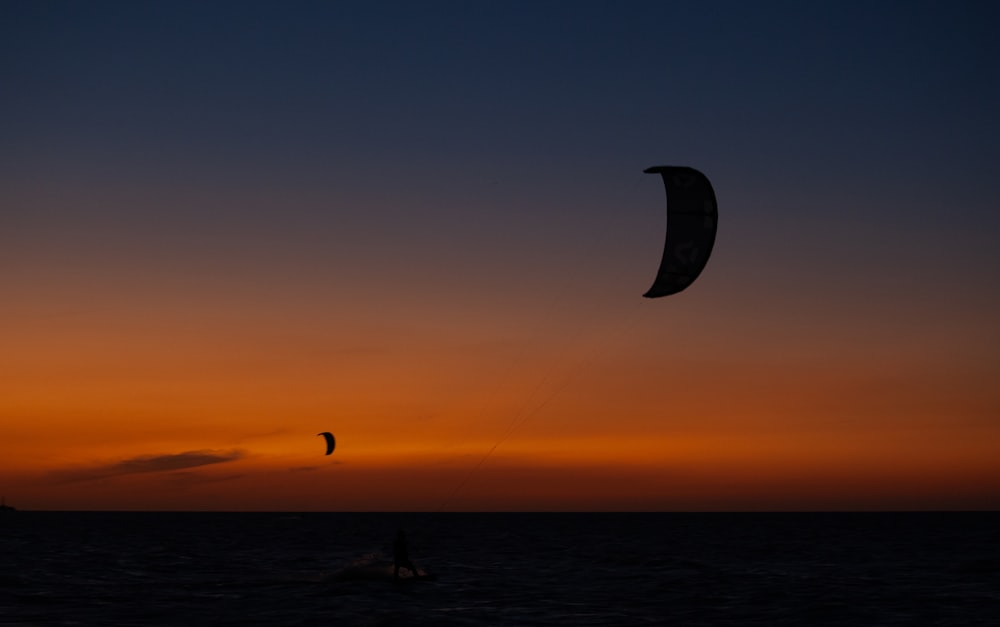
(831, 86)
(811, 118)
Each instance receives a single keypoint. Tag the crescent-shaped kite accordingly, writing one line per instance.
(692, 219)
(331, 443)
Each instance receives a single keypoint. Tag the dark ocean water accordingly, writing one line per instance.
(500, 569)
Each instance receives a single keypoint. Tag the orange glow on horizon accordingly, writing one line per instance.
(210, 395)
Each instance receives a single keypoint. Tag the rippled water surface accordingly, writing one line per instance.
(62, 568)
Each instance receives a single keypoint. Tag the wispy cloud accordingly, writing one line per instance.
(335, 462)
(148, 463)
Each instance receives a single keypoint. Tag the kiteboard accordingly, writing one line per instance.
(368, 569)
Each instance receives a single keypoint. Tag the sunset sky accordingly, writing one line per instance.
(423, 226)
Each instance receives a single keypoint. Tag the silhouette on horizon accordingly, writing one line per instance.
(401, 556)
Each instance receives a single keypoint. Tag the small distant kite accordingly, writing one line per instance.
(331, 443)
(692, 219)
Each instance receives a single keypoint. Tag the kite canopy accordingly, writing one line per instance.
(692, 218)
(331, 443)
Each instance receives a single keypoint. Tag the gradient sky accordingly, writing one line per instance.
(423, 226)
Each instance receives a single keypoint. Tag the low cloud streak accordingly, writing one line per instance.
(149, 463)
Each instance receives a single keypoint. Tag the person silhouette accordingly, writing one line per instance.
(401, 555)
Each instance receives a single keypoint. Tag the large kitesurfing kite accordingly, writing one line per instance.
(692, 218)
